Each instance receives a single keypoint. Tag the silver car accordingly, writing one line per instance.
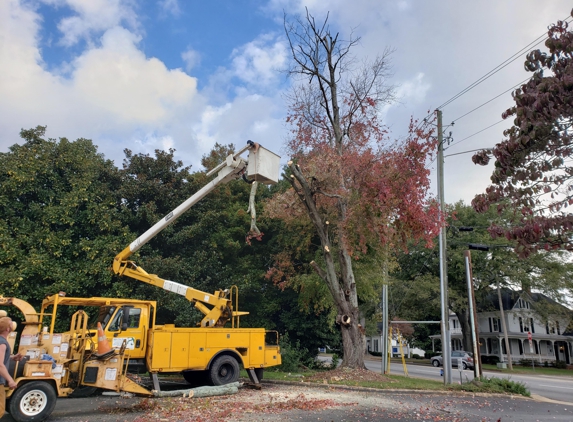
(467, 359)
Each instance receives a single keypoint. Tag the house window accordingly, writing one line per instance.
(522, 304)
(523, 325)
(531, 325)
(495, 324)
(553, 328)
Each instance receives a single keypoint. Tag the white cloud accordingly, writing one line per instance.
(414, 90)
(191, 58)
(119, 79)
(170, 6)
(114, 95)
(260, 61)
(251, 117)
(92, 17)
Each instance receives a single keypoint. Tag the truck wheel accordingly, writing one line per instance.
(435, 363)
(224, 370)
(33, 401)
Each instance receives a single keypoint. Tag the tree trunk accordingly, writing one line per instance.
(341, 284)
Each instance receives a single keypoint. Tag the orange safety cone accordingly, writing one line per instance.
(102, 343)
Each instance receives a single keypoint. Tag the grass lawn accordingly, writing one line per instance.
(399, 382)
(540, 370)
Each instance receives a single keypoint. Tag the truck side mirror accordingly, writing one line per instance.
(125, 317)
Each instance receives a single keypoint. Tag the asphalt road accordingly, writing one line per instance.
(550, 387)
(357, 405)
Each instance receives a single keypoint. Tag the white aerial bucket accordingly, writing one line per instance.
(264, 166)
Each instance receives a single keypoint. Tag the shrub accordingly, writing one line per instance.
(525, 362)
(417, 356)
(560, 364)
(496, 385)
(292, 355)
(335, 360)
(375, 353)
(432, 354)
(490, 360)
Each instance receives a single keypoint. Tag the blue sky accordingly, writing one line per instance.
(181, 74)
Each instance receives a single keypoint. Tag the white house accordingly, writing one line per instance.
(550, 340)
(374, 344)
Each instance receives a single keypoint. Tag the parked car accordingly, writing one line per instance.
(467, 359)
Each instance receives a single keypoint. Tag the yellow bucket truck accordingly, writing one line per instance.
(73, 362)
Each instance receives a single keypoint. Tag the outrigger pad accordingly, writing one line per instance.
(256, 382)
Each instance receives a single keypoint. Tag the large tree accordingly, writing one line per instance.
(361, 194)
(416, 293)
(533, 171)
(60, 219)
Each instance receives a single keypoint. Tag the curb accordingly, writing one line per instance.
(537, 397)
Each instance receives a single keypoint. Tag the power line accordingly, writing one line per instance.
(489, 101)
(468, 137)
(496, 69)
(499, 67)
(491, 72)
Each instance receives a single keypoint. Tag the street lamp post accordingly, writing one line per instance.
(473, 315)
(502, 313)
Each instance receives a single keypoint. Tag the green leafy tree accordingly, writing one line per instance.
(548, 272)
(205, 248)
(59, 218)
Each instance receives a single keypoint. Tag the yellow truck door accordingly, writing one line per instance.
(128, 325)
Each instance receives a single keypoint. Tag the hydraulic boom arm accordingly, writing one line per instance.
(262, 166)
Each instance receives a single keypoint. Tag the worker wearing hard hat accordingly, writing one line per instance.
(6, 327)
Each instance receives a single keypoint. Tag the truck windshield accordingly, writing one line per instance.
(105, 314)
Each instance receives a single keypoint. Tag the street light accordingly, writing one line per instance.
(480, 247)
(473, 315)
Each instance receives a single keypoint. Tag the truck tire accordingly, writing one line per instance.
(435, 363)
(33, 401)
(224, 370)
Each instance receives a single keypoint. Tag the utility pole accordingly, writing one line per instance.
(385, 341)
(445, 313)
(384, 348)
